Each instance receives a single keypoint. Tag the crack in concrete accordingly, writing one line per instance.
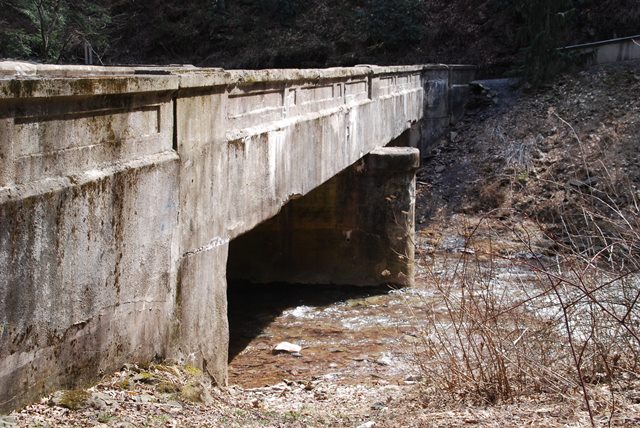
(214, 243)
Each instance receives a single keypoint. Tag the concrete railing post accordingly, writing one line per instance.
(88, 210)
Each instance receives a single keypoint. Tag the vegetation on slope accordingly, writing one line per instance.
(495, 34)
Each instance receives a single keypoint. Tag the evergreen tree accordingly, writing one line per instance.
(393, 24)
(543, 29)
(53, 29)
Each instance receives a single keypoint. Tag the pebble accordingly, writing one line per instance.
(416, 378)
(100, 401)
(464, 250)
(378, 406)
(384, 360)
(145, 398)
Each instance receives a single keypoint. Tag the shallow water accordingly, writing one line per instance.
(353, 334)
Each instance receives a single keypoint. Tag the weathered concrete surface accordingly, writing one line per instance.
(88, 212)
(608, 51)
(120, 190)
(446, 89)
(249, 145)
(356, 229)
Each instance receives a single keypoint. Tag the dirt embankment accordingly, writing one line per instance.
(537, 154)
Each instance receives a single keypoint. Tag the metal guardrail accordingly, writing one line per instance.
(633, 39)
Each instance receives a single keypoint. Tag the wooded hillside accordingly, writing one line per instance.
(297, 33)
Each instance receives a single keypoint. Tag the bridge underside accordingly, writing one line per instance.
(355, 229)
(123, 192)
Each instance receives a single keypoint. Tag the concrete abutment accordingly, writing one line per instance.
(200, 335)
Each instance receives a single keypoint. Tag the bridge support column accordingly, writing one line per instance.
(356, 229)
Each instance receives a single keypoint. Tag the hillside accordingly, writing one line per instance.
(296, 33)
(323, 33)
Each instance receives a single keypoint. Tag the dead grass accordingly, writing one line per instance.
(511, 326)
(514, 327)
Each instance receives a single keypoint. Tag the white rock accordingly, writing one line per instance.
(367, 425)
(287, 347)
(385, 360)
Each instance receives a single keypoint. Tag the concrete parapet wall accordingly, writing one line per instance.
(279, 140)
(608, 51)
(121, 188)
(446, 89)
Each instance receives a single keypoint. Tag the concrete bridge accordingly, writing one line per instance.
(129, 195)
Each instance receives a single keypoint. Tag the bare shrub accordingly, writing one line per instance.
(507, 325)
(600, 217)
(490, 196)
